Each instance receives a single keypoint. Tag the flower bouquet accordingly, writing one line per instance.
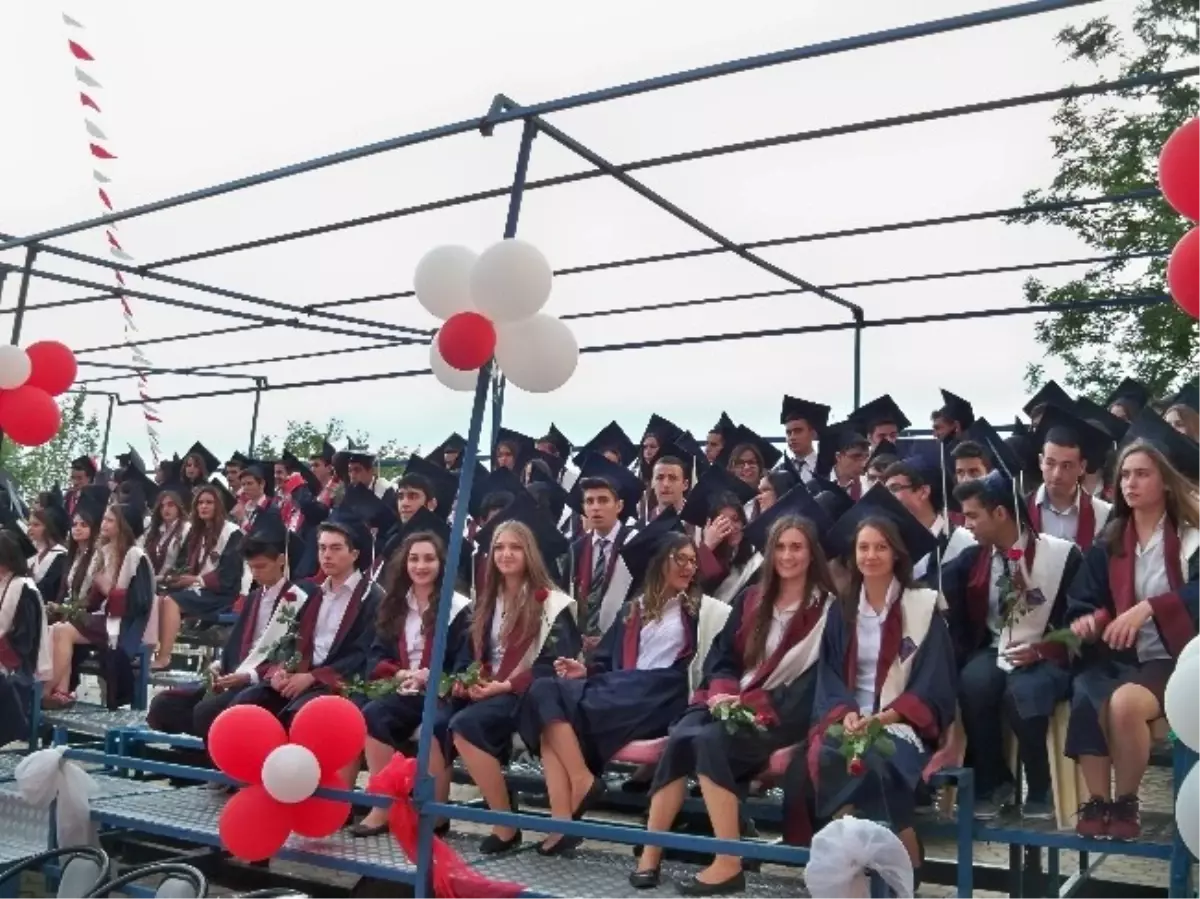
(73, 611)
(855, 746)
(469, 678)
(372, 689)
(737, 716)
(1066, 637)
(286, 651)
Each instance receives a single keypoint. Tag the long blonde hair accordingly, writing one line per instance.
(656, 594)
(1179, 496)
(521, 622)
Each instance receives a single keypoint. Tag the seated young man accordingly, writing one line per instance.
(1004, 595)
(1061, 507)
(970, 461)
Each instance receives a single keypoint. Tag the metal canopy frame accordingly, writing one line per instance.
(323, 317)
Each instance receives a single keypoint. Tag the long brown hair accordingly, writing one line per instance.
(1179, 497)
(154, 532)
(207, 532)
(123, 542)
(522, 622)
(655, 592)
(78, 553)
(902, 563)
(393, 608)
(816, 578)
(1189, 417)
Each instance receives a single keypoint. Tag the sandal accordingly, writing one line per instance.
(57, 699)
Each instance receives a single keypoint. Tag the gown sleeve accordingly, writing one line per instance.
(1057, 652)
(955, 575)
(1088, 593)
(563, 642)
(383, 658)
(459, 653)
(930, 698)
(51, 581)
(835, 698)
(713, 568)
(603, 660)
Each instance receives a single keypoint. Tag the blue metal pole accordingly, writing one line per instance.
(811, 51)
(424, 787)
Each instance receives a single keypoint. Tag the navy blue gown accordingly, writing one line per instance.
(18, 654)
(617, 702)
(221, 586)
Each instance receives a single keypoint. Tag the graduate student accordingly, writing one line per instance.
(522, 623)
(1004, 594)
(971, 461)
(880, 419)
(637, 683)
(727, 560)
(48, 529)
(917, 485)
(718, 438)
(1061, 507)
(765, 657)
(166, 533)
(25, 657)
(886, 654)
(83, 472)
(670, 480)
(1135, 604)
(952, 419)
(804, 423)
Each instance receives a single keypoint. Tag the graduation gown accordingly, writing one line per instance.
(165, 549)
(1105, 587)
(721, 576)
(587, 591)
(491, 723)
(951, 542)
(617, 702)
(222, 571)
(24, 656)
(1089, 523)
(915, 677)
(47, 570)
(393, 719)
(1049, 566)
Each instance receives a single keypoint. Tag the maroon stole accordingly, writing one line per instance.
(72, 500)
(1085, 526)
(157, 551)
(631, 641)
(1170, 615)
(252, 510)
(250, 613)
(311, 613)
(514, 652)
(957, 519)
(979, 586)
(853, 489)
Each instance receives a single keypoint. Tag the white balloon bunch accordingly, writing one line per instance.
(508, 283)
(1183, 714)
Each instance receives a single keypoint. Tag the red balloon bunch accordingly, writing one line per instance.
(1179, 180)
(29, 381)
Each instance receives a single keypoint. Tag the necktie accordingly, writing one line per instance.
(601, 561)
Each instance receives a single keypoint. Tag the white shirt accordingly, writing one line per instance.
(869, 632)
(661, 641)
(1056, 522)
(995, 622)
(780, 619)
(414, 638)
(1150, 579)
(329, 617)
(266, 606)
(805, 466)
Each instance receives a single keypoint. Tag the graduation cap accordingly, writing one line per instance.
(10, 496)
(999, 487)
(171, 470)
(93, 500)
(743, 435)
(883, 448)
(685, 454)
(260, 469)
(131, 461)
(422, 521)
(957, 409)
(445, 484)
(560, 441)
(714, 484)
(86, 464)
(360, 455)
(143, 486)
(666, 431)
(28, 550)
(640, 549)
(1001, 453)
(724, 426)
(1094, 412)
(54, 507)
(295, 465)
(833, 501)
(211, 462)
(1094, 442)
(355, 528)
(1188, 395)
(362, 502)
(835, 439)
(613, 438)
(1131, 391)
(228, 500)
(238, 458)
(878, 502)
(815, 414)
(455, 443)
(628, 486)
(878, 411)
(797, 501)
(1049, 393)
(269, 528)
(1180, 450)
(327, 452)
(133, 510)
(500, 480)
(524, 508)
(524, 446)
(551, 493)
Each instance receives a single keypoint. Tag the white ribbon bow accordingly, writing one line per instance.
(844, 850)
(46, 776)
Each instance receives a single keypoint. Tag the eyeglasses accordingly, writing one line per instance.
(746, 463)
(898, 488)
(685, 561)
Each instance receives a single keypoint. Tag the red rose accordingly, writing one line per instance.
(1015, 554)
(541, 595)
(856, 768)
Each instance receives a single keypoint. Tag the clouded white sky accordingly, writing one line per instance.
(194, 95)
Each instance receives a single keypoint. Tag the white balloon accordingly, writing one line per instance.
(538, 354)
(511, 281)
(15, 367)
(1187, 818)
(291, 773)
(442, 280)
(1191, 650)
(446, 374)
(1179, 702)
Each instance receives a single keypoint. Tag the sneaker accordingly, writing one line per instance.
(1092, 819)
(1033, 810)
(991, 806)
(1125, 822)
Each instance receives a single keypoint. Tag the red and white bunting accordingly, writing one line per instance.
(102, 157)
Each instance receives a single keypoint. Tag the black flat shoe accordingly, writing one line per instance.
(363, 831)
(493, 845)
(442, 829)
(564, 845)
(690, 886)
(594, 794)
(645, 880)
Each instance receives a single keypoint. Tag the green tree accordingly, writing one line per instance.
(1109, 145)
(38, 468)
(304, 439)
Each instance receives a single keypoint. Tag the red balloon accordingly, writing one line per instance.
(1179, 169)
(241, 738)
(53, 366)
(1183, 273)
(467, 340)
(317, 817)
(333, 729)
(253, 826)
(28, 415)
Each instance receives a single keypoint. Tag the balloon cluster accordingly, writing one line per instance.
(1179, 180)
(1183, 714)
(30, 378)
(491, 305)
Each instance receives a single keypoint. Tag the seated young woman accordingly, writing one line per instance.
(1134, 603)
(637, 683)
(727, 560)
(117, 595)
(24, 638)
(166, 535)
(81, 546)
(764, 658)
(522, 624)
(403, 644)
(212, 574)
(48, 527)
(886, 656)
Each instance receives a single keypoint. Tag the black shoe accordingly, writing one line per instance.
(442, 829)
(645, 880)
(363, 831)
(564, 845)
(493, 845)
(690, 886)
(594, 794)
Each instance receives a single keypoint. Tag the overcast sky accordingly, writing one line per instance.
(197, 94)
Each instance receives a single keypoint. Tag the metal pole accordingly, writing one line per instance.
(3, 274)
(858, 331)
(112, 403)
(19, 314)
(258, 388)
(423, 791)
